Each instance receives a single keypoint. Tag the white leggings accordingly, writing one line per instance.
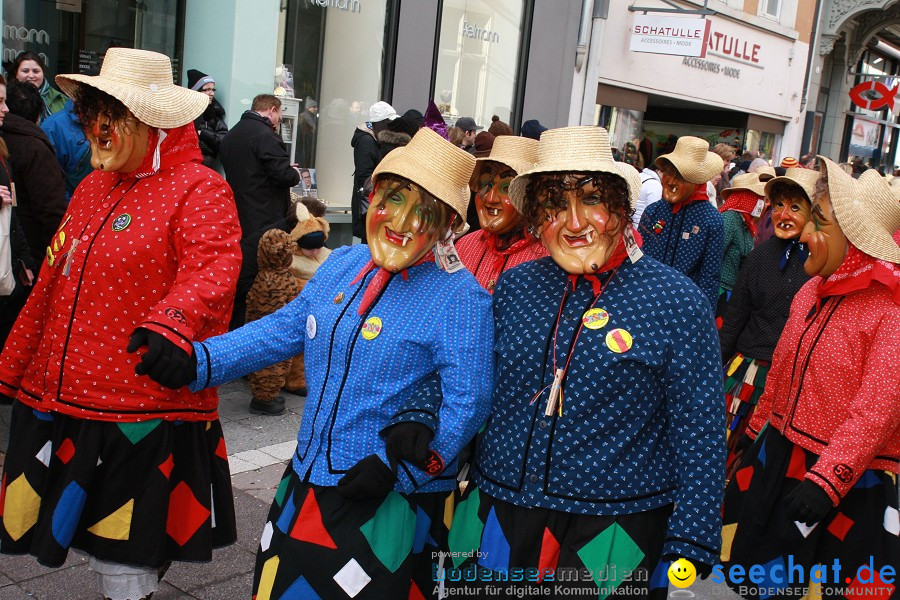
(124, 582)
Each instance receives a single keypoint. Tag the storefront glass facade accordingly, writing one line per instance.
(478, 57)
(872, 130)
(72, 36)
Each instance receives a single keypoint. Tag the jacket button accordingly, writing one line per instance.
(533, 478)
(542, 424)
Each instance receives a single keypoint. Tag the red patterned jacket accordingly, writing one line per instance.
(478, 253)
(158, 250)
(834, 385)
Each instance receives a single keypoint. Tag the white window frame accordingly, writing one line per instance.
(763, 12)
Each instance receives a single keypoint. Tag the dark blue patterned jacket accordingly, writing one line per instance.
(640, 429)
(692, 241)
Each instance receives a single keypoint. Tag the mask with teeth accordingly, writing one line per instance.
(496, 214)
(583, 218)
(790, 215)
(827, 244)
(402, 225)
(117, 146)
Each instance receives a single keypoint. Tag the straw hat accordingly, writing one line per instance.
(866, 209)
(693, 160)
(517, 153)
(765, 173)
(745, 181)
(582, 149)
(805, 178)
(142, 81)
(433, 163)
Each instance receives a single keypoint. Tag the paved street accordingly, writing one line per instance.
(258, 448)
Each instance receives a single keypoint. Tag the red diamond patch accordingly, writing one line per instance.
(66, 451)
(186, 514)
(166, 466)
(840, 525)
(743, 478)
(221, 451)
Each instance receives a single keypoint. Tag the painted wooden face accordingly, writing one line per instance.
(118, 146)
(578, 230)
(400, 230)
(790, 216)
(675, 189)
(827, 244)
(496, 213)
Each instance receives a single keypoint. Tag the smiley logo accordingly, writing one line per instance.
(682, 573)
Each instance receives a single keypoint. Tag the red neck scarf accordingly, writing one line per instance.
(858, 272)
(380, 280)
(743, 202)
(698, 195)
(615, 261)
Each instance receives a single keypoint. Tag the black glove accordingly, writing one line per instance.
(743, 443)
(368, 479)
(808, 503)
(164, 362)
(409, 442)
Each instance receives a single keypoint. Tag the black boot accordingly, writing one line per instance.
(275, 407)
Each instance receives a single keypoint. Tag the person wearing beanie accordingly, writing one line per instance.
(498, 127)
(211, 126)
(789, 162)
(366, 156)
(684, 230)
(532, 129)
(398, 133)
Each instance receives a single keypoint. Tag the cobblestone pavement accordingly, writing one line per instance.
(258, 450)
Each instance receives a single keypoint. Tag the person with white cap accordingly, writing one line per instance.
(818, 485)
(211, 126)
(366, 156)
(604, 450)
(102, 457)
(503, 242)
(378, 324)
(680, 230)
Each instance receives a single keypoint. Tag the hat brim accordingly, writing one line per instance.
(758, 189)
(808, 190)
(415, 168)
(520, 183)
(166, 107)
(844, 193)
(691, 171)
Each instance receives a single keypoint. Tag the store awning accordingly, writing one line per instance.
(608, 95)
(758, 123)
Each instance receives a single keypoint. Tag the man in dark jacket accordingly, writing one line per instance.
(258, 169)
(39, 182)
(366, 156)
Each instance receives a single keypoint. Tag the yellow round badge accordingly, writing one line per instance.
(595, 318)
(618, 340)
(371, 328)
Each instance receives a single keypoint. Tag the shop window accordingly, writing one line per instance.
(624, 126)
(770, 8)
(335, 51)
(478, 54)
(73, 36)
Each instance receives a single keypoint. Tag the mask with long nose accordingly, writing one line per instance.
(496, 213)
(827, 244)
(399, 227)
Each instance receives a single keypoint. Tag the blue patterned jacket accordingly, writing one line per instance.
(435, 328)
(639, 429)
(692, 241)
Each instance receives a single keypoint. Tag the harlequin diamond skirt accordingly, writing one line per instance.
(864, 527)
(513, 551)
(318, 544)
(745, 380)
(137, 494)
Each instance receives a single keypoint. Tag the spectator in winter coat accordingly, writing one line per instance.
(259, 171)
(366, 156)
(40, 186)
(29, 66)
(211, 127)
(73, 151)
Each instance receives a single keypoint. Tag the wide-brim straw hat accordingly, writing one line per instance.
(142, 81)
(765, 173)
(804, 178)
(745, 181)
(517, 153)
(693, 160)
(436, 165)
(867, 210)
(583, 149)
